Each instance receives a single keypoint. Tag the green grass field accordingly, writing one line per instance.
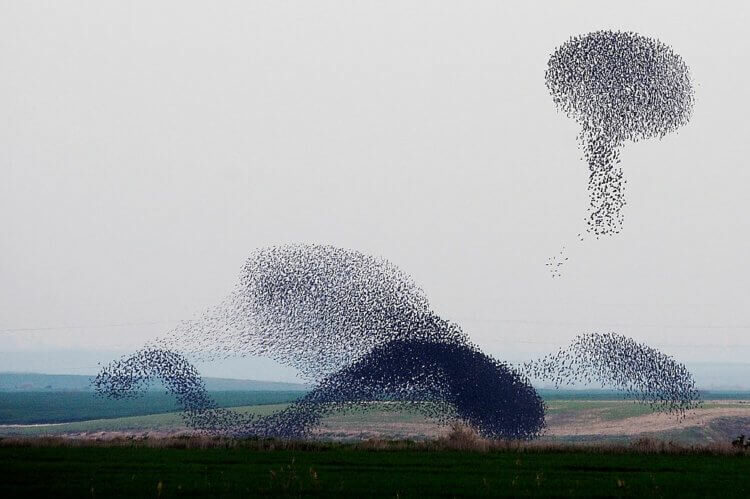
(619, 409)
(40, 407)
(377, 422)
(351, 471)
(61, 407)
(149, 423)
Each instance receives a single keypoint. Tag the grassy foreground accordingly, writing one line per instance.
(457, 466)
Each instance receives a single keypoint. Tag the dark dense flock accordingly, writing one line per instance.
(363, 332)
(619, 86)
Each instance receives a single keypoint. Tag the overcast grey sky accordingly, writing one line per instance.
(146, 148)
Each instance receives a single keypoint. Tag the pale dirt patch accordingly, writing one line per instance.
(591, 423)
(376, 430)
(33, 425)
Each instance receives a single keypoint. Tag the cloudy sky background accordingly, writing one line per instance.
(146, 148)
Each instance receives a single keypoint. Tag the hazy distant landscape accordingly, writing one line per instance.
(40, 404)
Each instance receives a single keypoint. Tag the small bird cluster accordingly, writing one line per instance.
(363, 332)
(555, 263)
(642, 372)
(619, 86)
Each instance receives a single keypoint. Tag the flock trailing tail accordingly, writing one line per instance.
(619, 86)
(364, 332)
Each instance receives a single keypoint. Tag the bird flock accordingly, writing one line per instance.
(619, 86)
(363, 332)
(641, 372)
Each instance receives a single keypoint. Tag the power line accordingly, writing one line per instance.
(671, 345)
(461, 319)
(602, 324)
(85, 326)
(465, 319)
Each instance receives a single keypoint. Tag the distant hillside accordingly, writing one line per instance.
(34, 382)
